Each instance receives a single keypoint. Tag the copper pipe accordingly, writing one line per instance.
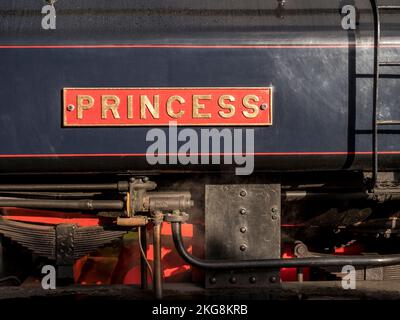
(135, 221)
(143, 265)
(157, 264)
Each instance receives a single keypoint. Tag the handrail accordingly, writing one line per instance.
(377, 36)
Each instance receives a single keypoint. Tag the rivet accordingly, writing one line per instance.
(252, 279)
(273, 279)
(232, 280)
(70, 107)
(264, 106)
(213, 280)
(243, 193)
(274, 211)
(243, 229)
(243, 211)
(243, 247)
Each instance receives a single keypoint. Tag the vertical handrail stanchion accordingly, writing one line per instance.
(377, 36)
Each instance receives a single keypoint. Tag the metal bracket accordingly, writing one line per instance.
(236, 216)
(176, 216)
(65, 251)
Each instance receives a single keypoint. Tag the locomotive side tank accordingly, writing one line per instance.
(320, 74)
(85, 98)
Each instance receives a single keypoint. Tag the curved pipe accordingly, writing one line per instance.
(377, 260)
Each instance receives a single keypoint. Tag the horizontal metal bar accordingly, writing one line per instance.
(388, 122)
(48, 195)
(63, 204)
(389, 7)
(373, 260)
(307, 195)
(120, 186)
(389, 64)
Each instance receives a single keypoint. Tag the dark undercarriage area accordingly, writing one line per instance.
(200, 236)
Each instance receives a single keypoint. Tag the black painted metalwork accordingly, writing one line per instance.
(64, 252)
(85, 204)
(235, 217)
(120, 186)
(375, 260)
(42, 241)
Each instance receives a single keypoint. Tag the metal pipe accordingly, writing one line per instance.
(307, 195)
(120, 186)
(157, 264)
(143, 264)
(378, 260)
(135, 221)
(300, 275)
(63, 204)
(377, 38)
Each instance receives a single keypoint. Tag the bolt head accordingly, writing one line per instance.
(264, 106)
(301, 250)
(243, 193)
(70, 107)
(213, 280)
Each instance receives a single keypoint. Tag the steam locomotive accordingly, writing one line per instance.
(80, 103)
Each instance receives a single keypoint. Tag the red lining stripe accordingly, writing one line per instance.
(72, 155)
(184, 46)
